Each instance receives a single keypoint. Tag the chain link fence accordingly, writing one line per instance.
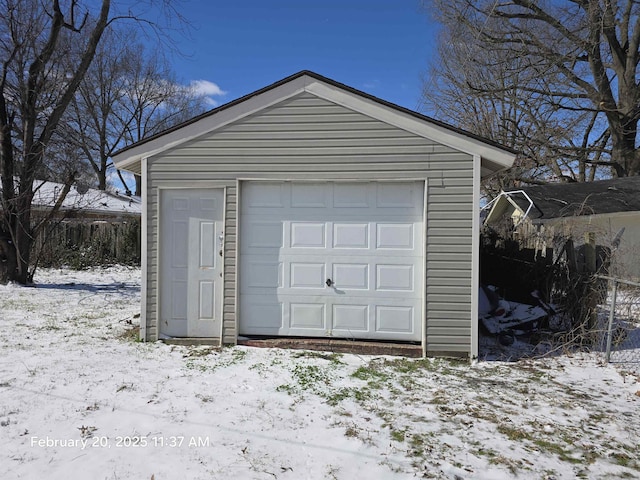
(620, 322)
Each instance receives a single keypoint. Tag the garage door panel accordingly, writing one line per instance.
(395, 277)
(259, 273)
(351, 235)
(395, 195)
(308, 235)
(263, 234)
(351, 275)
(309, 196)
(394, 319)
(264, 196)
(264, 315)
(365, 237)
(307, 275)
(307, 316)
(351, 195)
(392, 236)
(351, 318)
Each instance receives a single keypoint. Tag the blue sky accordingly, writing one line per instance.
(379, 46)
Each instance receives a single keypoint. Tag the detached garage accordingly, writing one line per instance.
(310, 209)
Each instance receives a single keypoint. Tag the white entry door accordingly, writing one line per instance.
(341, 259)
(191, 239)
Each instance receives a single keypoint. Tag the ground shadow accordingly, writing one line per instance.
(89, 287)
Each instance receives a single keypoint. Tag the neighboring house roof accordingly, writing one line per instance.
(558, 200)
(495, 157)
(584, 198)
(93, 201)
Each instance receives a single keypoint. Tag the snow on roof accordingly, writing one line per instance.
(91, 201)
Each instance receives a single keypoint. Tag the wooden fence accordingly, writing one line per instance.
(83, 244)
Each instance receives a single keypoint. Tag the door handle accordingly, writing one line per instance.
(329, 282)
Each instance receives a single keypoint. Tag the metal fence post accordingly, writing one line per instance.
(611, 314)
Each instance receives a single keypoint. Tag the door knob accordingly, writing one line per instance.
(329, 282)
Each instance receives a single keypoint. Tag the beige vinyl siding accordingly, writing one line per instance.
(309, 138)
(229, 327)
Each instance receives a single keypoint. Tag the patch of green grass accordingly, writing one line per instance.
(193, 364)
(411, 365)
(407, 382)
(398, 435)
(421, 446)
(200, 358)
(512, 465)
(513, 433)
(311, 377)
(622, 459)
(485, 452)
(237, 356)
(334, 398)
(335, 358)
(21, 304)
(286, 388)
(555, 448)
(370, 372)
(199, 351)
(259, 367)
(598, 417)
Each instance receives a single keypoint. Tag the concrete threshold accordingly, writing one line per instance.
(213, 341)
(337, 345)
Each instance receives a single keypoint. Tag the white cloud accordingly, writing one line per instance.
(205, 87)
(210, 102)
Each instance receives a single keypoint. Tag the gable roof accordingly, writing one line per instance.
(494, 156)
(585, 198)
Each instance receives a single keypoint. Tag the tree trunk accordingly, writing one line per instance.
(15, 256)
(102, 180)
(7, 259)
(624, 152)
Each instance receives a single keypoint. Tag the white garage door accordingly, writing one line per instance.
(332, 259)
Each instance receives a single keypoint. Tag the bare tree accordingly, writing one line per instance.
(555, 79)
(46, 49)
(129, 92)
(33, 48)
(154, 101)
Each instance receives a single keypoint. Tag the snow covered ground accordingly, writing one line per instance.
(79, 398)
